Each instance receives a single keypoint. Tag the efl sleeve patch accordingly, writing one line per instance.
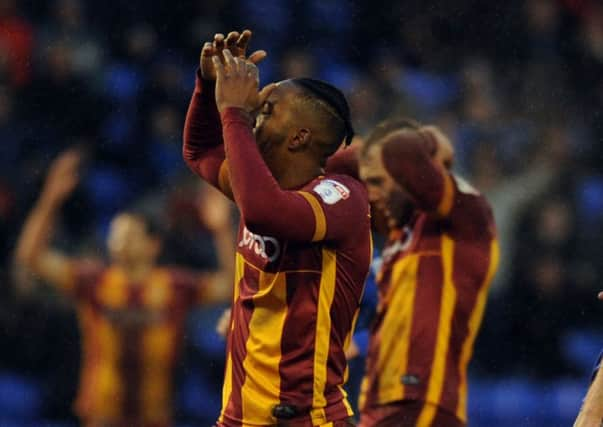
(464, 186)
(331, 191)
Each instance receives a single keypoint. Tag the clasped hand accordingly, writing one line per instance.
(237, 83)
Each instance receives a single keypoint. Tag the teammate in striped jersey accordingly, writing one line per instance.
(304, 241)
(131, 312)
(437, 265)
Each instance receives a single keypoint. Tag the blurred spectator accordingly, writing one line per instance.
(543, 282)
(69, 26)
(16, 44)
(56, 83)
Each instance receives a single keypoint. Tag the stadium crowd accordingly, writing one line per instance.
(517, 85)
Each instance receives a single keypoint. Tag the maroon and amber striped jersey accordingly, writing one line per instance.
(433, 288)
(303, 256)
(293, 315)
(131, 334)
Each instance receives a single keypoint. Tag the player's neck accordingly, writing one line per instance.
(295, 175)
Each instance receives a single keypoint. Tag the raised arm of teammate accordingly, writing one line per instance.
(265, 207)
(203, 150)
(419, 165)
(33, 253)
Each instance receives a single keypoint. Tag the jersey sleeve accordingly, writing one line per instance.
(203, 149)
(434, 188)
(340, 206)
(269, 210)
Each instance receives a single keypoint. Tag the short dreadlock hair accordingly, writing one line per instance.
(331, 102)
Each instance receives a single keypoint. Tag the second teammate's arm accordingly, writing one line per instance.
(418, 165)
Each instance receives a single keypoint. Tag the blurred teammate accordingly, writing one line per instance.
(437, 266)
(131, 311)
(591, 413)
(304, 240)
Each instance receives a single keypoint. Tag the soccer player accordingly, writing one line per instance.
(131, 311)
(437, 265)
(591, 413)
(304, 239)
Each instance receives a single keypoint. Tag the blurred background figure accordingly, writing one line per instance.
(131, 311)
(517, 85)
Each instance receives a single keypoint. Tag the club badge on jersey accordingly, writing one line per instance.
(331, 191)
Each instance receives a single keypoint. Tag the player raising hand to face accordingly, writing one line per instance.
(304, 243)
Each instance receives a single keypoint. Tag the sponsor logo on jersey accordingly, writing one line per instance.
(265, 246)
(331, 191)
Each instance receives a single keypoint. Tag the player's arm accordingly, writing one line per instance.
(416, 160)
(203, 149)
(33, 253)
(216, 215)
(591, 413)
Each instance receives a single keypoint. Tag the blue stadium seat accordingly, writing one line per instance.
(202, 327)
(429, 91)
(581, 348)
(122, 82)
(518, 402)
(20, 398)
(590, 199)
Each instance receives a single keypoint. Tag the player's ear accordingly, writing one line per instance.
(300, 140)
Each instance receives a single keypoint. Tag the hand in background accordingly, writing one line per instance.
(444, 152)
(63, 177)
(223, 323)
(214, 210)
(352, 351)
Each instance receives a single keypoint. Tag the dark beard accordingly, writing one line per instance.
(268, 146)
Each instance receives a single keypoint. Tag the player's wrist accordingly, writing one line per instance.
(204, 86)
(235, 112)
